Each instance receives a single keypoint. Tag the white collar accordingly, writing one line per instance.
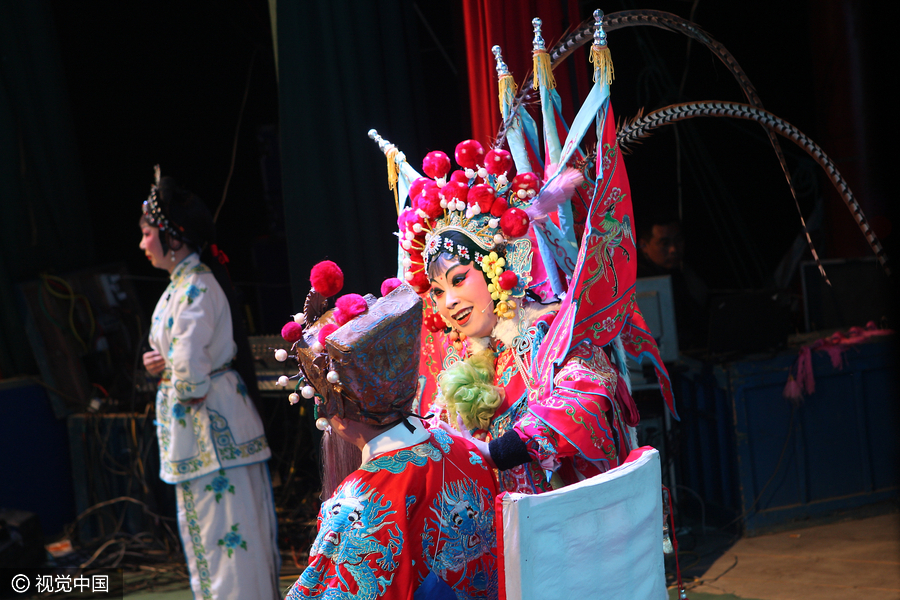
(186, 263)
(395, 438)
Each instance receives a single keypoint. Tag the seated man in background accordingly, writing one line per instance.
(661, 252)
(416, 518)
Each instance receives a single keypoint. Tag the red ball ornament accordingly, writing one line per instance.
(389, 285)
(407, 221)
(419, 282)
(431, 206)
(291, 332)
(498, 161)
(508, 280)
(430, 189)
(416, 187)
(455, 190)
(498, 208)
(482, 195)
(403, 220)
(327, 278)
(469, 154)
(526, 181)
(459, 176)
(326, 330)
(348, 307)
(514, 222)
(436, 164)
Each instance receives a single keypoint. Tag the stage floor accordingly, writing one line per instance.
(852, 559)
(847, 560)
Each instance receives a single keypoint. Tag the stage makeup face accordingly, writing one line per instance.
(463, 299)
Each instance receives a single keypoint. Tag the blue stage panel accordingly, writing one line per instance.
(832, 451)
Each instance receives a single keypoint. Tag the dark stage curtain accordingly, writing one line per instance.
(44, 222)
(346, 67)
(507, 23)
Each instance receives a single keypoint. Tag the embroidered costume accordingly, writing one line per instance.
(565, 410)
(205, 419)
(416, 517)
(578, 430)
(211, 440)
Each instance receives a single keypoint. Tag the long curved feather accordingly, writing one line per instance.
(669, 22)
(642, 127)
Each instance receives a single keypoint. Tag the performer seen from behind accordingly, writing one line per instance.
(415, 519)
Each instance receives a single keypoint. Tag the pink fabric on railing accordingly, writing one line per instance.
(801, 381)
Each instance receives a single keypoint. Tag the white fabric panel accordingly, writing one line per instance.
(599, 538)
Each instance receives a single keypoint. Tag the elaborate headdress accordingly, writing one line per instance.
(478, 202)
(578, 212)
(178, 213)
(359, 360)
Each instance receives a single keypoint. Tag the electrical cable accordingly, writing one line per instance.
(72, 298)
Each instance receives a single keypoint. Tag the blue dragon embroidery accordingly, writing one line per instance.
(460, 531)
(349, 520)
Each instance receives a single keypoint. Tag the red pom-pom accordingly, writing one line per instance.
(514, 222)
(526, 181)
(419, 282)
(498, 161)
(459, 176)
(508, 280)
(416, 187)
(469, 154)
(326, 330)
(430, 189)
(482, 195)
(498, 208)
(455, 190)
(349, 306)
(291, 332)
(436, 164)
(433, 322)
(327, 278)
(431, 206)
(407, 221)
(389, 285)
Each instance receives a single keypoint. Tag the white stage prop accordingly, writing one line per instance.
(599, 538)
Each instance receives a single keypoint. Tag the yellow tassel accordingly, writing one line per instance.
(543, 73)
(601, 58)
(508, 89)
(393, 175)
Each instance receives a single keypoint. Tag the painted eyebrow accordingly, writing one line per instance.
(447, 272)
